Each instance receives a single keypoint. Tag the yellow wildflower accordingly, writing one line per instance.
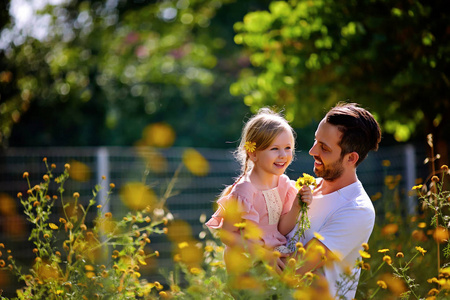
(421, 250)
(364, 254)
(387, 259)
(240, 225)
(53, 226)
(183, 245)
(365, 246)
(422, 225)
(195, 271)
(305, 180)
(386, 163)
(417, 187)
(250, 146)
(382, 284)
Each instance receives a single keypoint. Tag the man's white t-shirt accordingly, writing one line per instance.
(345, 219)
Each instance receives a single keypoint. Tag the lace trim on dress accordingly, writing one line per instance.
(274, 205)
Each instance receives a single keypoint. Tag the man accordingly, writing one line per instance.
(341, 211)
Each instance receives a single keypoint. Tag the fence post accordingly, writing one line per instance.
(410, 170)
(103, 170)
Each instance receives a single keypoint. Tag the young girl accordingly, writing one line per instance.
(263, 194)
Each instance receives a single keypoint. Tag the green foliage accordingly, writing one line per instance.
(104, 73)
(389, 56)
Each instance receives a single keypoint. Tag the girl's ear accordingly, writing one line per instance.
(252, 156)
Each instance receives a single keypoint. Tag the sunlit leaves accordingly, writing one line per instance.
(335, 52)
(257, 21)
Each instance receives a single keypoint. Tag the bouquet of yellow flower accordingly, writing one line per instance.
(302, 220)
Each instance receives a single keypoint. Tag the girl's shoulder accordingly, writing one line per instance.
(244, 188)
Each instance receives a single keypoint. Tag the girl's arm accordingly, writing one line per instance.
(287, 221)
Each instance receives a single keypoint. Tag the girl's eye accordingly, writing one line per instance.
(274, 148)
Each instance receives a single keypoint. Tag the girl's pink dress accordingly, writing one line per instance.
(262, 207)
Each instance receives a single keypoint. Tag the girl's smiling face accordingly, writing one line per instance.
(276, 158)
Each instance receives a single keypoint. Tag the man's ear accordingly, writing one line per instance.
(352, 158)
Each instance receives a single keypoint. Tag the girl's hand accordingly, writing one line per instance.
(306, 194)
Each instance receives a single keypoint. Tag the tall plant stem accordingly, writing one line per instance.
(433, 171)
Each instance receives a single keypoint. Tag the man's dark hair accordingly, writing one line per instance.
(360, 131)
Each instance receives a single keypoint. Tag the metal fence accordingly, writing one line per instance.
(195, 194)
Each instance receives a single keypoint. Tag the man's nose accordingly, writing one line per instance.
(313, 151)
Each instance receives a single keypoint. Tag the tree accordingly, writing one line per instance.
(392, 57)
(105, 71)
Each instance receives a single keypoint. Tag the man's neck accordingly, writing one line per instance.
(328, 187)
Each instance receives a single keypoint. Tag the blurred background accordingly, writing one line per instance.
(134, 90)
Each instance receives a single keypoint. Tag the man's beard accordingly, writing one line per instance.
(331, 172)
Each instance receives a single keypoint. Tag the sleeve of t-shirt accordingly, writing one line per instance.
(347, 229)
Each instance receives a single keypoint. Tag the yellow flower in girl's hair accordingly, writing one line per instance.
(250, 146)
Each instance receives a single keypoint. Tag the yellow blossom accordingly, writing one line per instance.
(183, 245)
(305, 180)
(387, 259)
(417, 187)
(250, 146)
(239, 225)
(382, 284)
(433, 292)
(365, 246)
(53, 226)
(383, 250)
(364, 254)
(422, 225)
(195, 271)
(421, 250)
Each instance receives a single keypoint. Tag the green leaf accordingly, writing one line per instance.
(257, 21)
(280, 9)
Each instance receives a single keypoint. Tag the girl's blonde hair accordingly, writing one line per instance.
(260, 129)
